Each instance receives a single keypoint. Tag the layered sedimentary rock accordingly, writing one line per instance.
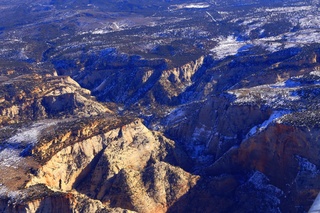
(109, 73)
(100, 163)
(215, 109)
(33, 97)
(271, 130)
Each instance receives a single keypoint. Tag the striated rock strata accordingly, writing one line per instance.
(97, 164)
(32, 97)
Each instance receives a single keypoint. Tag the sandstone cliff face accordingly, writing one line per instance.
(241, 142)
(110, 73)
(232, 92)
(124, 174)
(97, 163)
(173, 82)
(82, 161)
(31, 97)
(208, 129)
(287, 155)
(39, 198)
(267, 131)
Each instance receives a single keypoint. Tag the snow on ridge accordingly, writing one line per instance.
(303, 36)
(227, 46)
(315, 73)
(4, 191)
(274, 117)
(288, 40)
(10, 158)
(288, 9)
(275, 95)
(310, 21)
(10, 152)
(200, 5)
(100, 31)
(31, 134)
(197, 5)
(304, 16)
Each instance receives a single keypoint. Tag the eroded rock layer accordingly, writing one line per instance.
(159, 106)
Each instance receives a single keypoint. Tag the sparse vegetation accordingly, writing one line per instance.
(235, 83)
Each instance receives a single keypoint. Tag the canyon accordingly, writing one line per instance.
(183, 106)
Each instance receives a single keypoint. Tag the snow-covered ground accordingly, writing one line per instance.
(227, 46)
(315, 73)
(200, 5)
(307, 18)
(31, 134)
(286, 9)
(273, 95)
(10, 151)
(4, 191)
(9, 157)
(197, 5)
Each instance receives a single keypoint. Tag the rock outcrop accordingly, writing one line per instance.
(202, 107)
(34, 97)
(109, 73)
(96, 163)
(270, 129)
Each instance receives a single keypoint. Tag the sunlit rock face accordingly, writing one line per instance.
(104, 161)
(33, 97)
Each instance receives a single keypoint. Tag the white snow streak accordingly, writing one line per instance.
(10, 151)
(227, 46)
(9, 158)
(30, 135)
(275, 116)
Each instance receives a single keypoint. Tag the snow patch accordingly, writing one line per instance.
(276, 95)
(31, 134)
(287, 9)
(259, 180)
(200, 133)
(227, 46)
(4, 191)
(10, 158)
(23, 55)
(190, 6)
(315, 73)
(176, 116)
(198, 153)
(10, 151)
(100, 31)
(275, 116)
(268, 193)
(197, 6)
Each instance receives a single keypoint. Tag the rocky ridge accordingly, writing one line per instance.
(33, 97)
(92, 163)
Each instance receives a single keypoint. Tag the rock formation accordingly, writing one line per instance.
(159, 106)
(33, 97)
(93, 163)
